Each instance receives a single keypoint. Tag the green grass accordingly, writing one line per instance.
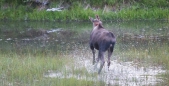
(78, 13)
(81, 15)
(29, 70)
(148, 55)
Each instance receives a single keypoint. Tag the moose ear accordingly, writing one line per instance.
(91, 19)
(97, 17)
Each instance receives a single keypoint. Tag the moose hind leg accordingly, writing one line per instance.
(93, 51)
(101, 56)
(110, 51)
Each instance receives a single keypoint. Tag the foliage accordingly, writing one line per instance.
(124, 10)
(156, 3)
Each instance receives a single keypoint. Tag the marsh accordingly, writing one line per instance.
(140, 56)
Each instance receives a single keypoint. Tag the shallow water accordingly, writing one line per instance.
(129, 62)
(119, 73)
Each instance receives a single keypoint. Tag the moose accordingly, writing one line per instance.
(102, 40)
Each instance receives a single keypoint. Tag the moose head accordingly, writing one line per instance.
(95, 21)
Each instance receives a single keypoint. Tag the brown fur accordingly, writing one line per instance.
(102, 40)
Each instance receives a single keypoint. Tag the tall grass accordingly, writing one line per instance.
(145, 53)
(148, 55)
(82, 15)
(77, 12)
(28, 70)
(22, 70)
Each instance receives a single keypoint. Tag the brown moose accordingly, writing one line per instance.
(102, 40)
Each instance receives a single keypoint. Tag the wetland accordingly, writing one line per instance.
(34, 53)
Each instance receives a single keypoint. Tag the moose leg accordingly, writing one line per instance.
(93, 51)
(110, 51)
(101, 56)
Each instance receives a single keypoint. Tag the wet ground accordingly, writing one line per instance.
(72, 39)
(120, 73)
